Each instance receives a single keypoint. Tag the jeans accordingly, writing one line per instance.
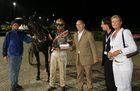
(14, 67)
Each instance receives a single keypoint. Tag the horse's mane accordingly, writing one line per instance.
(38, 30)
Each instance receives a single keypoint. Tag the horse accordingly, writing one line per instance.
(41, 43)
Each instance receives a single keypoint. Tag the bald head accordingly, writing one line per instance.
(80, 25)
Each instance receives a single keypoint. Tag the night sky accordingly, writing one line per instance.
(89, 10)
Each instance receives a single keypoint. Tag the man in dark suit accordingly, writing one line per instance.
(86, 55)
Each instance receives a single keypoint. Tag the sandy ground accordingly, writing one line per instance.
(28, 73)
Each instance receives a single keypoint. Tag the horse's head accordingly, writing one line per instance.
(37, 28)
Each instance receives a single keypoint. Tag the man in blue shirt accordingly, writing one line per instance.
(13, 51)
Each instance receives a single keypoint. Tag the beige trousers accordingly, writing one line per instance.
(58, 58)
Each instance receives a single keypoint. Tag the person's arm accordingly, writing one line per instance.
(73, 46)
(27, 38)
(5, 47)
(6, 44)
(93, 47)
(103, 46)
(69, 38)
(129, 42)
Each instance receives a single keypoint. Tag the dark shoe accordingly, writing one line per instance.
(51, 88)
(63, 88)
(19, 86)
(13, 89)
(90, 89)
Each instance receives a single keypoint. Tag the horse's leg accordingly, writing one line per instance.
(47, 63)
(38, 65)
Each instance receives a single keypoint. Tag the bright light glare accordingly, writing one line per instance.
(14, 3)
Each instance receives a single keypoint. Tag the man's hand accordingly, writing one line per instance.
(5, 59)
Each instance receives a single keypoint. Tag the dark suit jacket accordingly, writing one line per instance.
(107, 48)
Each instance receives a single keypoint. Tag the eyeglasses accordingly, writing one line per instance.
(61, 25)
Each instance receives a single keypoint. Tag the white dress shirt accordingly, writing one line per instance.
(80, 34)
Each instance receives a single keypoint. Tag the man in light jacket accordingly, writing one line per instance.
(86, 55)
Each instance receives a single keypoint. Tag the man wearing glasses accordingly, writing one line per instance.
(60, 45)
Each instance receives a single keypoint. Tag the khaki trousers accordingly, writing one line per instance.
(81, 71)
(59, 58)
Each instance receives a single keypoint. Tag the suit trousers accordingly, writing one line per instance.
(108, 73)
(84, 70)
(59, 58)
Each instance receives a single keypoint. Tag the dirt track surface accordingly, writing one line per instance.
(28, 80)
